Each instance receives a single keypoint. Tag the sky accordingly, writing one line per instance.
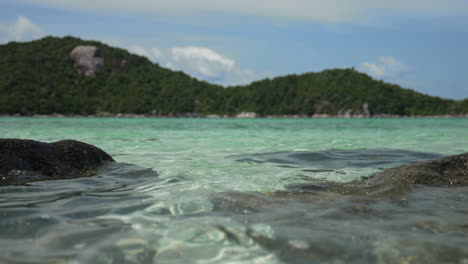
(418, 44)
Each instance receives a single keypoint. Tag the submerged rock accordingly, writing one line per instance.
(389, 217)
(395, 183)
(451, 170)
(23, 160)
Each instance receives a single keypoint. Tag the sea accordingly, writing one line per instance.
(222, 191)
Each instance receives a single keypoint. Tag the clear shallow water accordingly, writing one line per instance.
(215, 197)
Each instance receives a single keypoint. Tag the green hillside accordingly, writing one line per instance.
(334, 92)
(39, 77)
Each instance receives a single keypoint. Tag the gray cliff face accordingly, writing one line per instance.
(23, 160)
(350, 113)
(88, 59)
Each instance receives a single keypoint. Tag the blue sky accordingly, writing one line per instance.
(418, 44)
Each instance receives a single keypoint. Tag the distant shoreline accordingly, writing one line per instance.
(238, 116)
(71, 76)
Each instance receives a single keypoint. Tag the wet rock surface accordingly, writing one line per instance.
(22, 161)
(397, 182)
(394, 181)
(329, 227)
(414, 213)
(452, 170)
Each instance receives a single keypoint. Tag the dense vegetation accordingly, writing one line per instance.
(39, 77)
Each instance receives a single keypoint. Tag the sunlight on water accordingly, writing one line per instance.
(212, 194)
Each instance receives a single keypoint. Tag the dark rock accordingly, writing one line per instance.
(397, 182)
(331, 222)
(22, 160)
(393, 183)
(451, 170)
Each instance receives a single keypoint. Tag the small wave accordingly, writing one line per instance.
(338, 159)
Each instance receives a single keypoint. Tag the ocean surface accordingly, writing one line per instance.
(218, 191)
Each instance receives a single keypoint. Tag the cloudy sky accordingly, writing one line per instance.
(419, 44)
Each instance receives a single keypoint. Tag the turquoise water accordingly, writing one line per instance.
(215, 196)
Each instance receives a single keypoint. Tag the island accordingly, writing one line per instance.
(73, 77)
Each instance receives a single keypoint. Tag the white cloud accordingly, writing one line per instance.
(373, 69)
(386, 66)
(209, 65)
(200, 62)
(318, 10)
(153, 54)
(391, 63)
(21, 30)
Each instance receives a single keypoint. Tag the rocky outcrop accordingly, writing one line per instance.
(397, 182)
(322, 108)
(350, 113)
(247, 115)
(406, 202)
(452, 170)
(88, 59)
(22, 160)
(394, 184)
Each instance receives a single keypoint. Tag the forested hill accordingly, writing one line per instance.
(43, 77)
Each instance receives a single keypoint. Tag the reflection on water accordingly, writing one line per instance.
(337, 159)
(128, 214)
(197, 206)
(334, 164)
(428, 226)
(52, 221)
